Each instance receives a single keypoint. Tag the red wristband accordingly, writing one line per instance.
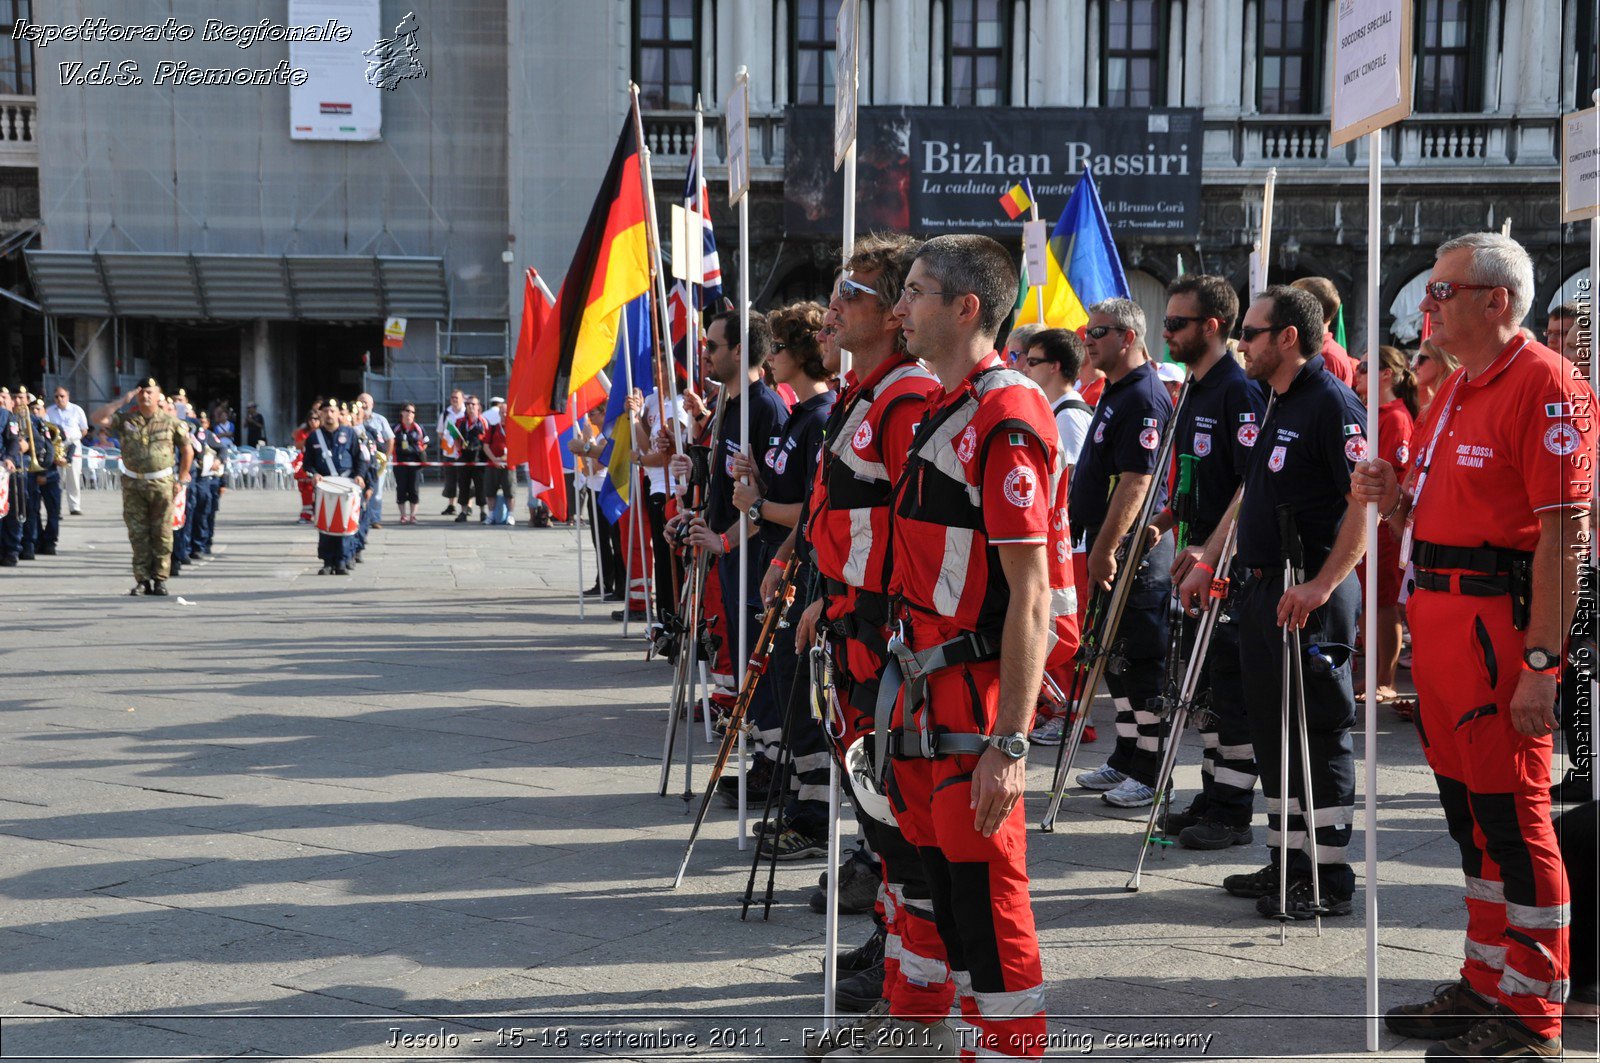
(1208, 568)
(725, 547)
(779, 563)
(1554, 669)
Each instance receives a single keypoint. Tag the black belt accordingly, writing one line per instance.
(1489, 560)
(906, 744)
(1476, 585)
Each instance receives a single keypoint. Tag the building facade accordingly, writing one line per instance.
(181, 229)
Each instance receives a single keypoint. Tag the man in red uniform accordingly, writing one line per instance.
(982, 574)
(846, 527)
(1335, 359)
(1492, 514)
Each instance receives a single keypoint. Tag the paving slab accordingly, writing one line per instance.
(399, 814)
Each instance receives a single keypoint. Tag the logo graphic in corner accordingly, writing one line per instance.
(1561, 439)
(1355, 448)
(1020, 487)
(967, 446)
(863, 437)
(1248, 434)
(1149, 439)
(1202, 444)
(1275, 460)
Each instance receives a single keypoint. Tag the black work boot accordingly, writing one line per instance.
(1450, 1012)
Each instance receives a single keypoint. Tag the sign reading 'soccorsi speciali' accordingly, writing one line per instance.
(934, 170)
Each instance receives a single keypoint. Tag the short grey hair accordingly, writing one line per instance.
(1024, 335)
(1124, 314)
(1500, 261)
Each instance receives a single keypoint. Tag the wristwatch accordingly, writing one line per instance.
(1014, 746)
(754, 512)
(1540, 660)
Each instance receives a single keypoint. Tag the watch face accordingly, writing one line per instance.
(1540, 659)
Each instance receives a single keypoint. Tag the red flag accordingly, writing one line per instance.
(536, 307)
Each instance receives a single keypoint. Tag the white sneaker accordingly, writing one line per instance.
(1105, 777)
(1049, 733)
(1129, 793)
(904, 1039)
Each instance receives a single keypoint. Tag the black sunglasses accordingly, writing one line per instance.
(1177, 322)
(1100, 332)
(1248, 334)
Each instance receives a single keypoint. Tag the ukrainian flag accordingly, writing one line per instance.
(1083, 267)
(634, 354)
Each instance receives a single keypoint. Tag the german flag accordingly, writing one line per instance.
(609, 269)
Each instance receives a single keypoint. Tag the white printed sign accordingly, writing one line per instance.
(844, 82)
(736, 116)
(1580, 165)
(335, 102)
(1371, 67)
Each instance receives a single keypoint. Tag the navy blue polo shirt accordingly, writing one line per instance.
(1218, 427)
(1309, 444)
(767, 418)
(1124, 435)
(791, 464)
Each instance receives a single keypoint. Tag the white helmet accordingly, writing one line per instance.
(869, 799)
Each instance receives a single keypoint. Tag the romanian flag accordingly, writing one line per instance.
(1016, 201)
(1082, 263)
(609, 269)
(630, 368)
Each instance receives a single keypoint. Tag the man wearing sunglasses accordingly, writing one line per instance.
(1115, 470)
(741, 374)
(1301, 466)
(867, 440)
(981, 569)
(1216, 438)
(1494, 516)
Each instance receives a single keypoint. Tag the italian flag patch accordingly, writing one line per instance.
(1018, 439)
(1558, 409)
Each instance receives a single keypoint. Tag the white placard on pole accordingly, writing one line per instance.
(736, 125)
(1580, 165)
(844, 81)
(1371, 68)
(680, 230)
(1035, 237)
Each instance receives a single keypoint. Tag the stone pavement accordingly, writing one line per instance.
(404, 813)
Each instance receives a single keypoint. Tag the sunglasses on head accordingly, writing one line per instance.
(1444, 291)
(849, 290)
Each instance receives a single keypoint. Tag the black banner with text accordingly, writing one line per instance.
(933, 170)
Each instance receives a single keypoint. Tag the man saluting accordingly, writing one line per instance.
(150, 437)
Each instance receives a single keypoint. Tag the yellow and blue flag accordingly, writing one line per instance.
(1082, 263)
(634, 356)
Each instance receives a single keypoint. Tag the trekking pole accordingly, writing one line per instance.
(1133, 554)
(779, 786)
(1193, 671)
(754, 669)
(1289, 545)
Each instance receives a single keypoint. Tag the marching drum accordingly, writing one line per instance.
(338, 506)
(5, 492)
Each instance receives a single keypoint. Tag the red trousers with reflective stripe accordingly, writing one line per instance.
(916, 979)
(979, 885)
(1494, 785)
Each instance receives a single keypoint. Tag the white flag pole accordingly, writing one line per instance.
(1369, 795)
(738, 188)
(1036, 283)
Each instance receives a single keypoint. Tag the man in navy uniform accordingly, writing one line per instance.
(1115, 469)
(1307, 449)
(1216, 436)
(332, 450)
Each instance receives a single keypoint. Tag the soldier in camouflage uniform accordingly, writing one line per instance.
(150, 437)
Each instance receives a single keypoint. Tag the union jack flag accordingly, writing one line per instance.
(687, 297)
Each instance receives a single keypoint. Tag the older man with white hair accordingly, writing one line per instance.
(1494, 515)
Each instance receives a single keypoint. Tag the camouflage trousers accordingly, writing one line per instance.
(147, 509)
